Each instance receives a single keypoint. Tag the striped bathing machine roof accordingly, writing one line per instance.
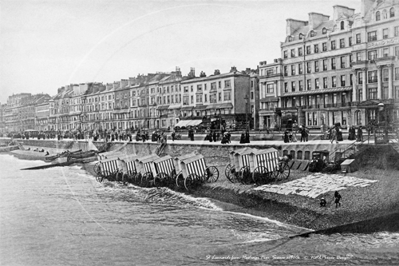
(144, 163)
(194, 165)
(130, 161)
(179, 159)
(108, 166)
(243, 158)
(267, 158)
(164, 165)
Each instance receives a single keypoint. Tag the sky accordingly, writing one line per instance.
(47, 44)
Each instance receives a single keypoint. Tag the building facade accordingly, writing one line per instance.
(335, 70)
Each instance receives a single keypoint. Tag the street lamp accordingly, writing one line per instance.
(246, 110)
(381, 108)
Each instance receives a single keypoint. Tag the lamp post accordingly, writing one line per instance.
(381, 108)
(246, 111)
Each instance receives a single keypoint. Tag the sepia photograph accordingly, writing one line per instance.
(199, 132)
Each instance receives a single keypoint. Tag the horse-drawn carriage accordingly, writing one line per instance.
(257, 166)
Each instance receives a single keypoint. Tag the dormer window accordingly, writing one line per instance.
(342, 25)
(324, 31)
(384, 14)
(392, 12)
(312, 33)
(301, 36)
(290, 38)
(377, 16)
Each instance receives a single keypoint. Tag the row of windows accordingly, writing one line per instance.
(203, 87)
(320, 100)
(384, 14)
(316, 66)
(313, 33)
(316, 48)
(315, 83)
(213, 98)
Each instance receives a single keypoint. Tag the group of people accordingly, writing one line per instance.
(290, 135)
(337, 199)
(353, 135)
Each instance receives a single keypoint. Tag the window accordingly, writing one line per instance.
(342, 25)
(220, 84)
(285, 54)
(372, 36)
(372, 93)
(343, 81)
(285, 86)
(220, 96)
(334, 81)
(377, 16)
(301, 36)
(252, 95)
(293, 86)
(324, 31)
(300, 68)
(397, 51)
(385, 75)
(316, 84)
(358, 56)
(385, 52)
(351, 79)
(324, 64)
(372, 76)
(372, 55)
(316, 48)
(293, 70)
(358, 38)
(396, 73)
(384, 14)
(300, 83)
(341, 43)
(343, 62)
(290, 39)
(350, 41)
(308, 67)
(270, 88)
(308, 84)
(192, 99)
(392, 12)
(396, 31)
(292, 52)
(333, 63)
(308, 49)
(312, 33)
(316, 66)
(324, 46)
(300, 52)
(385, 33)
(199, 88)
(227, 96)
(192, 88)
(199, 98)
(227, 83)
(333, 46)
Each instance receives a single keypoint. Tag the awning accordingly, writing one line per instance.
(187, 107)
(269, 99)
(174, 106)
(194, 123)
(220, 106)
(182, 123)
(163, 107)
(200, 107)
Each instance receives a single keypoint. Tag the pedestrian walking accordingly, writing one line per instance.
(337, 200)
(360, 134)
